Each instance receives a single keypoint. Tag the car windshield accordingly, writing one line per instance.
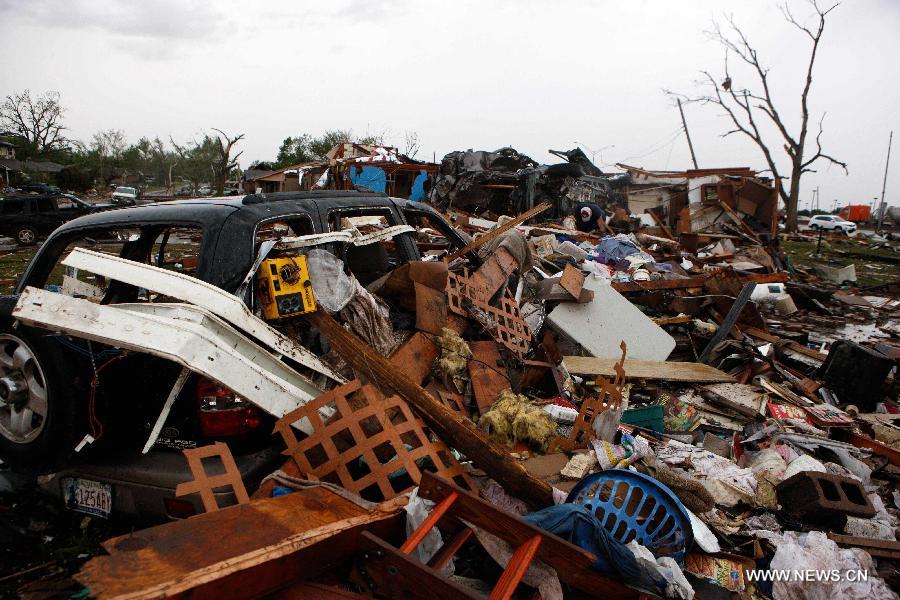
(125, 190)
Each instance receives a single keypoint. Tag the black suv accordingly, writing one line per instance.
(27, 217)
(55, 389)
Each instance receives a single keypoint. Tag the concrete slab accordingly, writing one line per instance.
(600, 326)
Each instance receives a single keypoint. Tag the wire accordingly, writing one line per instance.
(656, 146)
(96, 423)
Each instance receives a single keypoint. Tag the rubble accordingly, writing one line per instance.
(659, 404)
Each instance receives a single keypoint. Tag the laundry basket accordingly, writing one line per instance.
(633, 506)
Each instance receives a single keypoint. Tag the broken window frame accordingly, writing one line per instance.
(52, 252)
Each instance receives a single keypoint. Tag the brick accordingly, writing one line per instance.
(823, 496)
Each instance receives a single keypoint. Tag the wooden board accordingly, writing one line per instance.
(646, 369)
(691, 282)
(166, 557)
(486, 374)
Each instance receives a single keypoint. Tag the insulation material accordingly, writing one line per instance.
(513, 418)
(454, 360)
(601, 325)
(373, 444)
(579, 465)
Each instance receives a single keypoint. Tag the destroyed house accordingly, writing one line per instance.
(706, 200)
(350, 166)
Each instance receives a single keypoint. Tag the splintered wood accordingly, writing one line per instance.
(506, 323)
(367, 444)
(204, 484)
(610, 398)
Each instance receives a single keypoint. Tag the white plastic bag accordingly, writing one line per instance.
(333, 288)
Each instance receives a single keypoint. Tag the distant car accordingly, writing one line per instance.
(125, 195)
(27, 217)
(39, 188)
(831, 223)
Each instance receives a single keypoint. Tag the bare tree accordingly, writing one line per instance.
(750, 108)
(37, 120)
(225, 162)
(412, 144)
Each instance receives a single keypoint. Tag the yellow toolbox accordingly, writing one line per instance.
(284, 288)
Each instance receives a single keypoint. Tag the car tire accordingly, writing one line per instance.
(37, 376)
(26, 236)
(815, 226)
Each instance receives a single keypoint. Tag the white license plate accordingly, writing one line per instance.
(84, 495)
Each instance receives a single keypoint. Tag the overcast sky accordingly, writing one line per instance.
(464, 74)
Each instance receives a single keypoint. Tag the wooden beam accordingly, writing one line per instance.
(759, 334)
(691, 282)
(455, 430)
(647, 369)
(661, 223)
(479, 242)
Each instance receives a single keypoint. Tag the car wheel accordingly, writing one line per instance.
(815, 226)
(38, 408)
(26, 236)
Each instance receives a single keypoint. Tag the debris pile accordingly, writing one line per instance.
(620, 409)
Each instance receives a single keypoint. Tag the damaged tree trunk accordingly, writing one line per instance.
(455, 430)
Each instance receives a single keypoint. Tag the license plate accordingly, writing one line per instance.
(84, 495)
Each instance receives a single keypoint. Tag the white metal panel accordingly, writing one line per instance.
(190, 289)
(188, 335)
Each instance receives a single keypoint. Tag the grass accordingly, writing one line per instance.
(868, 273)
(12, 265)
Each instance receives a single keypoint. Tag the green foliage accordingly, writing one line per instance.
(307, 148)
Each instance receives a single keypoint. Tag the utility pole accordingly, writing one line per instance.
(884, 183)
(687, 134)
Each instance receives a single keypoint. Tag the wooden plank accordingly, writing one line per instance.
(572, 281)
(479, 242)
(647, 369)
(759, 334)
(875, 547)
(690, 282)
(661, 223)
(176, 556)
(740, 222)
(486, 373)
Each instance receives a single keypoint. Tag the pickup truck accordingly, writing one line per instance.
(59, 393)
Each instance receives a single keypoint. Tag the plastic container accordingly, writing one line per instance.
(648, 417)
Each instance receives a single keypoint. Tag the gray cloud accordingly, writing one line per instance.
(146, 29)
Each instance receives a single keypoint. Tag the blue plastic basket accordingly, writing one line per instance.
(631, 505)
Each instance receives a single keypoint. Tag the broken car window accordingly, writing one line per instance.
(371, 261)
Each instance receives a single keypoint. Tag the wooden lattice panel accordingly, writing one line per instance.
(205, 485)
(511, 329)
(610, 398)
(368, 439)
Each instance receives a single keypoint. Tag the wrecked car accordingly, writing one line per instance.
(82, 409)
(26, 218)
